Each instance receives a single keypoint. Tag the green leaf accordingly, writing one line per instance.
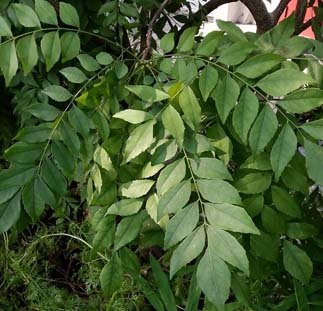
(163, 286)
(181, 225)
(125, 207)
(254, 182)
(208, 81)
(230, 217)
(69, 137)
(302, 101)
(26, 15)
(228, 248)
(71, 45)
(7, 193)
(33, 203)
(79, 121)
(174, 198)
(10, 212)
(265, 246)
(210, 43)
(170, 176)
(8, 61)
(16, 176)
(4, 28)
(101, 124)
(104, 58)
(226, 95)
(214, 278)
(273, 221)
(193, 296)
(301, 298)
(314, 160)
(294, 46)
(254, 205)
(297, 262)
(210, 168)
(301, 230)
(284, 202)
(104, 235)
(128, 229)
(147, 93)
(259, 64)
(186, 40)
(44, 111)
(236, 53)
(164, 152)
(121, 69)
(51, 48)
(188, 250)
(233, 31)
(68, 14)
(88, 62)
(263, 130)
(133, 116)
(174, 123)
(45, 194)
(218, 191)
(27, 53)
(136, 188)
(139, 140)
(283, 150)
(64, 158)
(190, 106)
(314, 128)
(73, 74)
(167, 42)
(283, 81)
(34, 134)
(245, 113)
(46, 12)
(57, 93)
(111, 276)
(260, 162)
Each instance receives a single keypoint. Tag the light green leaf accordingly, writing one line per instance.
(259, 64)
(147, 93)
(210, 168)
(68, 14)
(139, 140)
(120, 69)
(208, 81)
(79, 121)
(297, 262)
(88, 62)
(254, 182)
(57, 93)
(150, 170)
(164, 152)
(10, 212)
(4, 28)
(301, 230)
(302, 101)
(181, 225)
(228, 248)
(71, 45)
(188, 250)
(167, 42)
(104, 58)
(102, 158)
(170, 176)
(314, 160)
(8, 61)
(233, 31)
(26, 15)
(44, 111)
(136, 188)
(218, 191)
(214, 278)
(174, 123)
(111, 276)
(210, 43)
(283, 81)
(16, 176)
(259, 162)
(133, 116)
(284, 202)
(236, 53)
(186, 40)
(34, 134)
(263, 130)
(51, 48)
(226, 95)
(245, 113)
(64, 158)
(230, 217)
(190, 106)
(314, 128)
(46, 12)
(53, 177)
(73, 74)
(283, 150)
(125, 207)
(128, 229)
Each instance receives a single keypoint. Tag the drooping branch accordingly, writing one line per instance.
(150, 27)
(277, 13)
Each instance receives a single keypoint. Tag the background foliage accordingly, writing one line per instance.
(182, 174)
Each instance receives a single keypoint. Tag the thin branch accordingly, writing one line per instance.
(300, 14)
(304, 26)
(150, 28)
(277, 13)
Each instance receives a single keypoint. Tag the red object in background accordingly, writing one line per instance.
(291, 7)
